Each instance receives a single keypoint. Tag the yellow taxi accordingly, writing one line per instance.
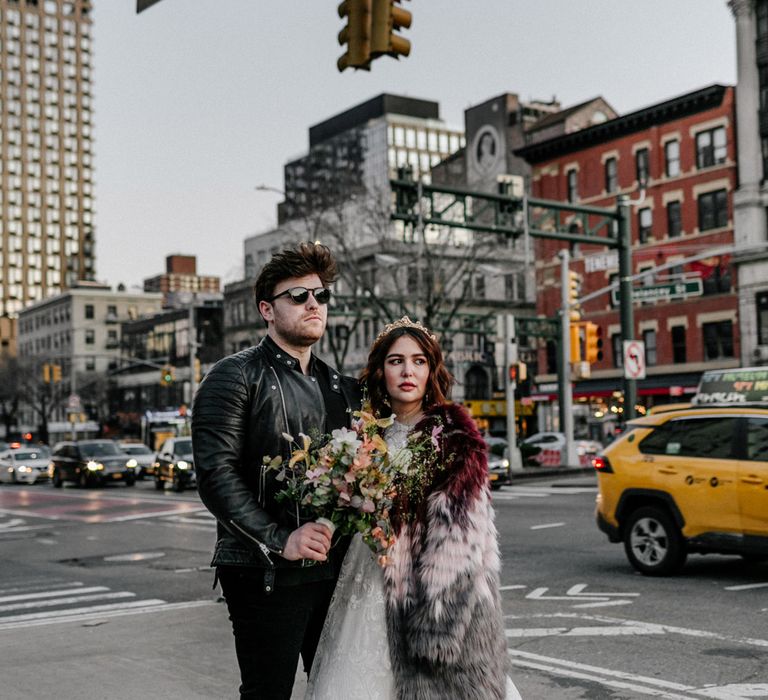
(689, 480)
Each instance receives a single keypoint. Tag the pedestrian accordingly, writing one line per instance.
(277, 572)
(429, 625)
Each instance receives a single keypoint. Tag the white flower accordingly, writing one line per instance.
(343, 437)
(401, 459)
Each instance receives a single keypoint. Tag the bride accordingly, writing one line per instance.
(428, 625)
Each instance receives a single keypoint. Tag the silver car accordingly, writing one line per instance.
(25, 465)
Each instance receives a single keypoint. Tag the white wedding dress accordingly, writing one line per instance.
(352, 659)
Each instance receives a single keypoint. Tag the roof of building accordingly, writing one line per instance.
(371, 109)
(675, 108)
(557, 117)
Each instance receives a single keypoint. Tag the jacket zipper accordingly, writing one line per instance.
(264, 549)
(287, 430)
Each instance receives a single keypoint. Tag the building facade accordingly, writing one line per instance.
(181, 276)
(78, 331)
(750, 200)
(46, 121)
(677, 161)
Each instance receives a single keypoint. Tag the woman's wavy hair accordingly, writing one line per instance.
(372, 378)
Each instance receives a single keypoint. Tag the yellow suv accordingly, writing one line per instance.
(688, 480)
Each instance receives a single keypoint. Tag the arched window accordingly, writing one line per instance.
(477, 384)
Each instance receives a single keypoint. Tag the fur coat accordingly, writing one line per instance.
(444, 619)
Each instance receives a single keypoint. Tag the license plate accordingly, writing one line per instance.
(117, 475)
(493, 477)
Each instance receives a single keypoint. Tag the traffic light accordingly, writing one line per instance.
(574, 292)
(46, 373)
(593, 342)
(198, 371)
(576, 342)
(167, 375)
(55, 373)
(356, 34)
(386, 19)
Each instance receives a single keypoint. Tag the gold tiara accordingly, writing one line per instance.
(404, 322)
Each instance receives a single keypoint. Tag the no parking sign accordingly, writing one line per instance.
(634, 359)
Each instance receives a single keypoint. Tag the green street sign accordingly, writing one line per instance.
(657, 292)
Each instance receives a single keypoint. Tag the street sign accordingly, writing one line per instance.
(73, 403)
(657, 292)
(634, 359)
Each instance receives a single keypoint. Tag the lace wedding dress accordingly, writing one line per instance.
(352, 659)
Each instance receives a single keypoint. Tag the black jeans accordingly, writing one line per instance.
(271, 630)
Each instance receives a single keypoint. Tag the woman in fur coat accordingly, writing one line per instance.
(439, 592)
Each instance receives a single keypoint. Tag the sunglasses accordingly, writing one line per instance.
(299, 295)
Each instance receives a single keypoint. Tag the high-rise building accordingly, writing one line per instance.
(46, 151)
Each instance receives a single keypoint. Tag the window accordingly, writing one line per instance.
(711, 147)
(642, 166)
(718, 340)
(757, 439)
(713, 210)
(617, 348)
(761, 304)
(644, 224)
(90, 363)
(89, 310)
(572, 183)
(674, 221)
(761, 13)
(692, 437)
(678, 344)
(611, 179)
(672, 158)
(649, 338)
(112, 310)
(479, 287)
(90, 336)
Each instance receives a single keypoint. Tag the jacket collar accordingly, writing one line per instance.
(283, 358)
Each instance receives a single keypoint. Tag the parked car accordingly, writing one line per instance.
(498, 462)
(90, 463)
(683, 481)
(532, 446)
(141, 458)
(174, 465)
(26, 465)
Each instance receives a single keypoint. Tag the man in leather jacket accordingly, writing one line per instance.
(277, 572)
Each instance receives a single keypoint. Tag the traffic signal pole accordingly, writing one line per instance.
(626, 313)
(565, 387)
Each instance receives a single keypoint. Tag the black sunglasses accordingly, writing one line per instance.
(299, 295)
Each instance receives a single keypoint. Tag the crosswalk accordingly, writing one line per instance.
(35, 602)
(513, 492)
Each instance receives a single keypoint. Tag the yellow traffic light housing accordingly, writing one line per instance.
(386, 19)
(574, 292)
(55, 373)
(593, 342)
(198, 370)
(356, 34)
(46, 373)
(575, 355)
(167, 375)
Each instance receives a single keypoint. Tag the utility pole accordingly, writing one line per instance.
(192, 354)
(626, 313)
(565, 388)
(511, 358)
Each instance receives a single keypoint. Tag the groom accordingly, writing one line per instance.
(276, 573)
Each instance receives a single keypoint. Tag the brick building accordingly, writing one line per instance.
(181, 276)
(684, 150)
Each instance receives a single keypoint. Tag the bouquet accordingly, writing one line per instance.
(348, 482)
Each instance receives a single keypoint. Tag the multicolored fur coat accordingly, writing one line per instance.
(444, 619)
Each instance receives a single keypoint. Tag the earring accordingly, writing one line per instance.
(385, 401)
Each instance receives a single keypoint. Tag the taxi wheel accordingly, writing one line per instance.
(83, 481)
(56, 480)
(159, 485)
(653, 543)
(177, 485)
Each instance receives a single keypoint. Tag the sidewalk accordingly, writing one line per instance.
(186, 654)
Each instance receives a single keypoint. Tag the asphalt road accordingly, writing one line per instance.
(107, 594)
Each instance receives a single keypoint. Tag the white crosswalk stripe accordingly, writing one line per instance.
(197, 520)
(31, 602)
(514, 493)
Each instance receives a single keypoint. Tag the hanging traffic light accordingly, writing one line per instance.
(167, 375)
(574, 292)
(386, 19)
(46, 373)
(593, 342)
(55, 373)
(356, 34)
(198, 370)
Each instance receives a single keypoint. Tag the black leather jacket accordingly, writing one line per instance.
(242, 408)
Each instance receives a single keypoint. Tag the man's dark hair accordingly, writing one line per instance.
(304, 259)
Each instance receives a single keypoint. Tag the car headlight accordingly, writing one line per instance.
(94, 466)
(505, 463)
(181, 464)
(24, 469)
(10, 470)
(132, 464)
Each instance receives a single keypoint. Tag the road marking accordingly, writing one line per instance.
(546, 525)
(604, 676)
(596, 631)
(141, 606)
(511, 588)
(50, 594)
(746, 586)
(736, 690)
(577, 593)
(143, 516)
(12, 523)
(41, 584)
(79, 612)
(65, 601)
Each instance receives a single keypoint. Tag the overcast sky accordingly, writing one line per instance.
(199, 101)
